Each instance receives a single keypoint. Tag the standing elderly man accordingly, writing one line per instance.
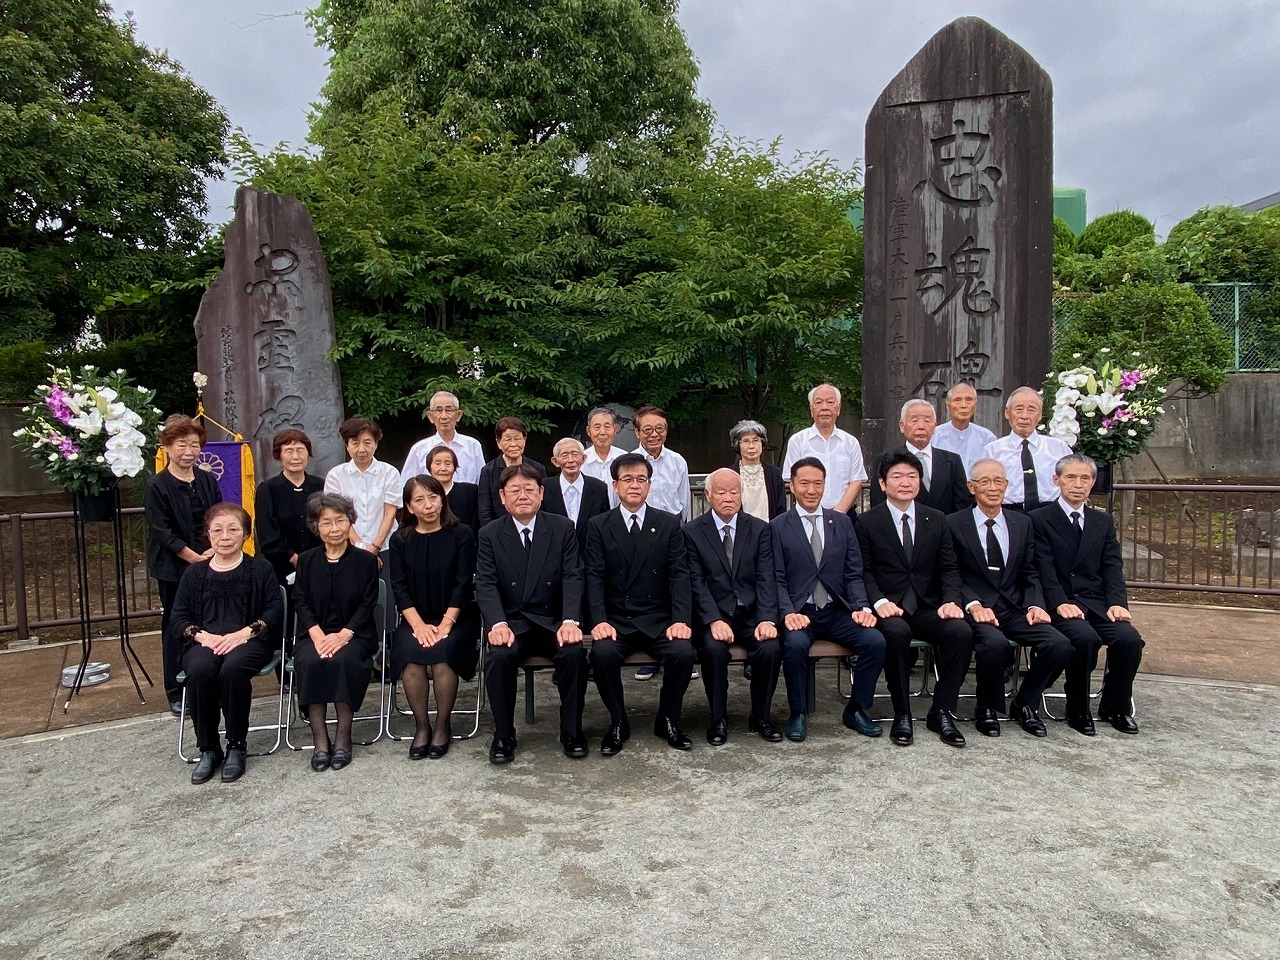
(1028, 457)
(960, 434)
(736, 598)
(602, 427)
(572, 493)
(445, 413)
(839, 451)
(945, 482)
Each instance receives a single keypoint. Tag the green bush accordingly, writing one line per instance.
(1115, 230)
(1225, 245)
(1135, 262)
(1064, 238)
(22, 366)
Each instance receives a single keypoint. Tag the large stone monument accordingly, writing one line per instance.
(264, 328)
(958, 228)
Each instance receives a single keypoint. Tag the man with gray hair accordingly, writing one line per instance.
(572, 494)
(839, 451)
(602, 427)
(945, 483)
(1082, 574)
(445, 413)
(1028, 457)
(960, 434)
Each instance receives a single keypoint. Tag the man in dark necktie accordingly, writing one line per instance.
(944, 479)
(1083, 577)
(639, 598)
(1003, 598)
(572, 493)
(1026, 454)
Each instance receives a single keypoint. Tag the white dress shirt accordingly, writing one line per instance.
(669, 486)
(572, 504)
(369, 491)
(841, 454)
(627, 515)
(1068, 510)
(593, 466)
(522, 527)
(1002, 531)
(467, 449)
(1045, 454)
(967, 443)
(897, 515)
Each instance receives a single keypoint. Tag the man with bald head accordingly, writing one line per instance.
(839, 451)
(735, 600)
(1028, 456)
(944, 484)
(445, 413)
(960, 434)
(573, 494)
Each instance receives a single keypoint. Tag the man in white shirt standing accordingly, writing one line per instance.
(838, 450)
(445, 413)
(373, 486)
(960, 434)
(1029, 458)
(602, 427)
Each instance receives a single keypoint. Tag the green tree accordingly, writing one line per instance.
(1225, 245)
(1138, 261)
(1115, 229)
(104, 147)
(1168, 322)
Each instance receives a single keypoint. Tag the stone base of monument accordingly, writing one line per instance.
(1255, 563)
(1141, 563)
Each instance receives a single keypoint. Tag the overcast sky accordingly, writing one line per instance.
(1162, 106)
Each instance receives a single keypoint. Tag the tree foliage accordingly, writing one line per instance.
(1225, 245)
(1115, 229)
(104, 146)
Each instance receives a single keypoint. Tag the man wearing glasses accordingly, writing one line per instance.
(445, 414)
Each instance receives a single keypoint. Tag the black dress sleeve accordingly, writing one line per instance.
(302, 588)
(157, 507)
(270, 612)
(188, 617)
(271, 542)
(464, 568)
(364, 586)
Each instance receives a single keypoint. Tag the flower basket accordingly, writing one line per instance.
(1104, 410)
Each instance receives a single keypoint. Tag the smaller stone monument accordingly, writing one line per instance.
(265, 328)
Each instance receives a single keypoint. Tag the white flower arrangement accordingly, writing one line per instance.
(1104, 410)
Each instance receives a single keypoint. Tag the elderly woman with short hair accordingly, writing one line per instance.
(764, 494)
(335, 596)
(463, 498)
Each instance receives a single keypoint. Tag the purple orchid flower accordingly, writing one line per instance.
(57, 404)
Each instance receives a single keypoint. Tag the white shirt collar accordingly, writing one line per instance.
(626, 515)
(1069, 510)
(521, 527)
(899, 514)
(980, 520)
(802, 513)
(565, 484)
(720, 524)
(925, 451)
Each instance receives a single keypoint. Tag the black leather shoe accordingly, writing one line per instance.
(320, 761)
(612, 743)
(902, 732)
(1028, 719)
(437, 750)
(209, 761)
(575, 745)
(857, 719)
(797, 727)
(175, 707)
(233, 766)
(341, 758)
(1121, 721)
(987, 722)
(1082, 724)
(944, 725)
(765, 728)
(419, 752)
(718, 733)
(677, 739)
(502, 750)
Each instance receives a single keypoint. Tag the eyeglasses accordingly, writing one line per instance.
(651, 431)
(641, 480)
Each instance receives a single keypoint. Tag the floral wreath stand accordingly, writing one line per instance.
(102, 508)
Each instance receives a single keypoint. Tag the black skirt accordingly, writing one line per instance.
(460, 650)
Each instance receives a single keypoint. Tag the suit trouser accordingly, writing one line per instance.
(834, 623)
(222, 683)
(764, 656)
(1124, 653)
(675, 656)
(952, 642)
(502, 666)
(1050, 654)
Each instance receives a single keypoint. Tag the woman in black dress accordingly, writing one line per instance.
(433, 565)
(227, 614)
(280, 504)
(463, 498)
(174, 504)
(335, 595)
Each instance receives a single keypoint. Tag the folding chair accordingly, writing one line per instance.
(394, 708)
(927, 665)
(268, 668)
(1093, 697)
(531, 664)
(379, 666)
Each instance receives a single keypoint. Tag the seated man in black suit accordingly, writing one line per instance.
(818, 567)
(731, 565)
(1003, 597)
(1083, 577)
(944, 482)
(639, 598)
(910, 572)
(529, 588)
(572, 493)
(511, 434)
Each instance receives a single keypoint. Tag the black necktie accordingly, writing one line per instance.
(995, 556)
(1030, 485)
(635, 524)
(528, 539)
(1075, 518)
(728, 545)
(907, 543)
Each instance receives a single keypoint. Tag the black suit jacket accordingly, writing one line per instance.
(166, 504)
(932, 573)
(948, 482)
(490, 503)
(774, 486)
(796, 573)
(595, 501)
(639, 584)
(747, 588)
(543, 587)
(1088, 573)
(464, 501)
(1017, 584)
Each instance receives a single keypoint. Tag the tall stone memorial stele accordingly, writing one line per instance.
(264, 328)
(958, 228)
